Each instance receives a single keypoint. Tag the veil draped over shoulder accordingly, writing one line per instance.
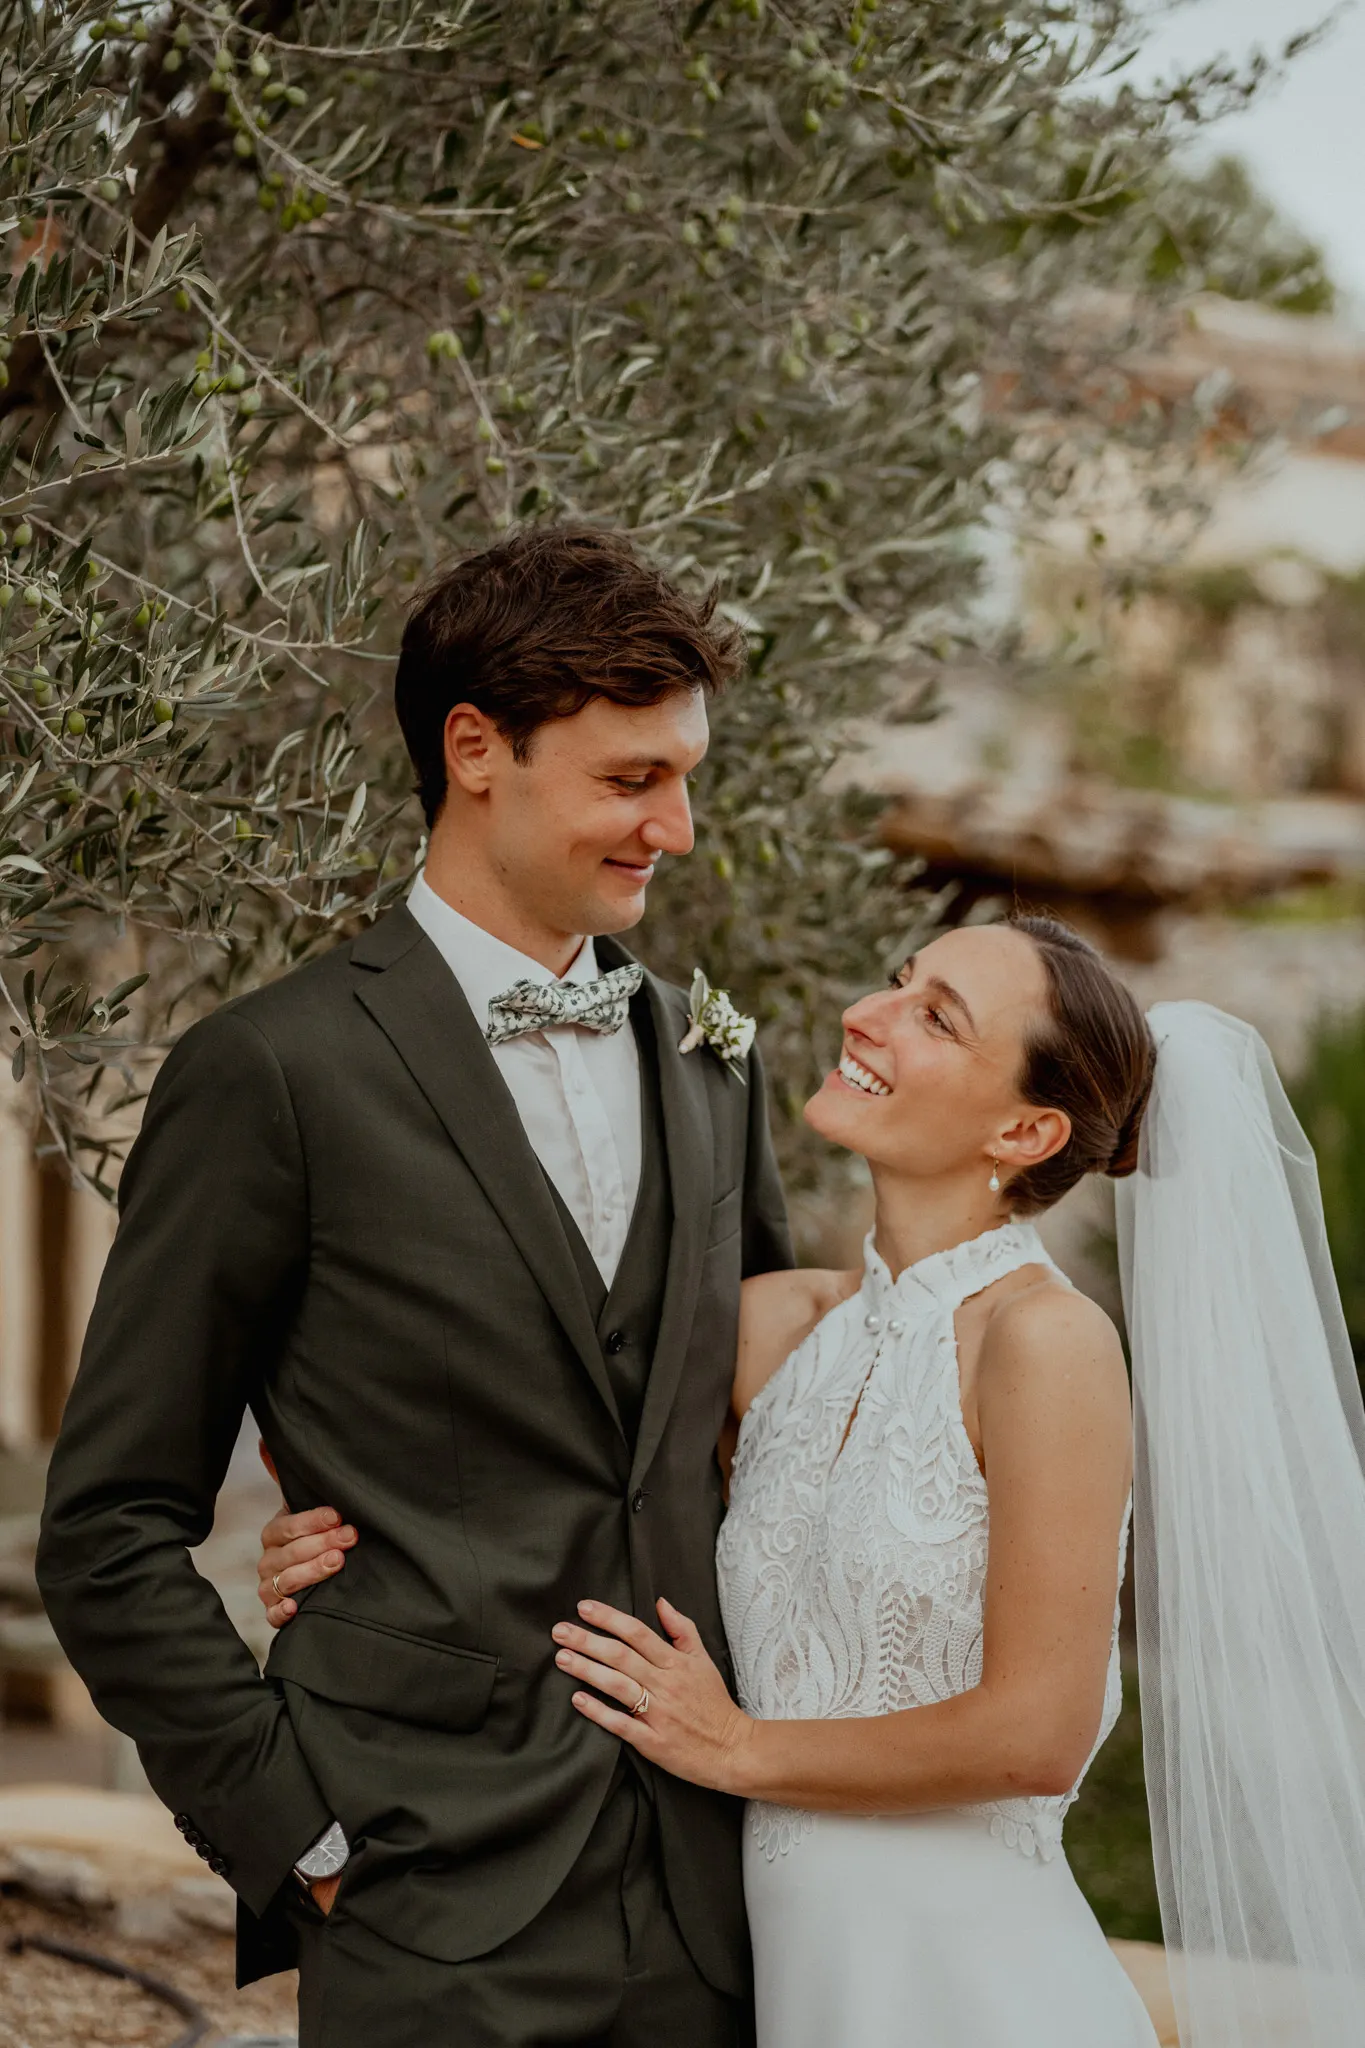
(1249, 1518)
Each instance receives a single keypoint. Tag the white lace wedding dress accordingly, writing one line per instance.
(851, 1583)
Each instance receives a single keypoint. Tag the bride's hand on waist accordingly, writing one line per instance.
(297, 1551)
(688, 1724)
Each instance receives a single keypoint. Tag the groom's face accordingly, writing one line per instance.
(576, 831)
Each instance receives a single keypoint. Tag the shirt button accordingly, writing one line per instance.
(895, 1326)
(637, 1500)
(614, 1341)
(872, 1322)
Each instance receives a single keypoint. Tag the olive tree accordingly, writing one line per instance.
(307, 295)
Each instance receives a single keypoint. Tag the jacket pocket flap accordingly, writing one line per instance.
(365, 1664)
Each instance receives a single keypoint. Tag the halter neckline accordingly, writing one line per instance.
(958, 1271)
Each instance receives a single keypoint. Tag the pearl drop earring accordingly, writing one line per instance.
(994, 1182)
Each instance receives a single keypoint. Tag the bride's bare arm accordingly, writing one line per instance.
(1051, 1400)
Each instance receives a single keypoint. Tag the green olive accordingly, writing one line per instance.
(243, 146)
(163, 711)
(172, 60)
(33, 597)
(249, 404)
(75, 723)
(235, 378)
(110, 189)
(142, 617)
(260, 65)
(23, 534)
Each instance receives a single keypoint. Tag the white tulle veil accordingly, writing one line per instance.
(1249, 1518)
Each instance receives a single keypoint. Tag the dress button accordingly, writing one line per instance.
(895, 1326)
(637, 1500)
(872, 1321)
(614, 1341)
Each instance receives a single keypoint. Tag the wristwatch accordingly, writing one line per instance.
(330, 1853)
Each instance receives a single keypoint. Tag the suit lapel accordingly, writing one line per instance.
(419, 1006)
(691, 1163)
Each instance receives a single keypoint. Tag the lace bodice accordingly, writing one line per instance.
(851, 1579)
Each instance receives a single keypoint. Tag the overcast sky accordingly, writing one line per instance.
(1305, 144)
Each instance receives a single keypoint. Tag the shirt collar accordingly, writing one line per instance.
(485, 966)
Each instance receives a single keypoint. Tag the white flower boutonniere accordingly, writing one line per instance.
(717, 1023)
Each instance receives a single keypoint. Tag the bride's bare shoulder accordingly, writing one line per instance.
(777, 1312)
(1049, 1357)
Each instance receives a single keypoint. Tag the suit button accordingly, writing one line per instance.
(614, 1341)
(218, 1865)
(637, 1500)
(182, 1821)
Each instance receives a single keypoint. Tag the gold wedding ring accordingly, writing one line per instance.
(275, 1582)
(641, 1707)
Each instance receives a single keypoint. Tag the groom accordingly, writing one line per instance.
(452, 1214)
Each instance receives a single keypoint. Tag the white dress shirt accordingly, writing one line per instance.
(577, 1091)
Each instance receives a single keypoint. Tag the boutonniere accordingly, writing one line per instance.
(717, 1023)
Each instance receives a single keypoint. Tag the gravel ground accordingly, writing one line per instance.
(49, 2003)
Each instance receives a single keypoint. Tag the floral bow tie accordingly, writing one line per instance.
(601, 1005)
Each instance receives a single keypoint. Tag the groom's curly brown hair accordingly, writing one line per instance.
(534, 628)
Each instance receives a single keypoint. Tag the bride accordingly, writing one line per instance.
(928, 1517)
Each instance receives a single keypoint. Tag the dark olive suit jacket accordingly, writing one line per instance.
(333, 1217)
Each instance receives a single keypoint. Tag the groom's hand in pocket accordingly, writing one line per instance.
(298, 1551)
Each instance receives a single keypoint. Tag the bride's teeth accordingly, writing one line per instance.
(859, 1077)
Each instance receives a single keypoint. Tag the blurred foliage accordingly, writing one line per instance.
(1329, 1097)
(306, 295)
(1108, 1831)
(1216, 227)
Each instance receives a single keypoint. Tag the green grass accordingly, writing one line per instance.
(1108, 1841)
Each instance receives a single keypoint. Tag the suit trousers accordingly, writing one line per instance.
(601, 1966)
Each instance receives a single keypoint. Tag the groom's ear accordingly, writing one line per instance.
(1035, 1135)
(474, 749)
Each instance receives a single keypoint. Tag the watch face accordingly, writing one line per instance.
(326, 1857)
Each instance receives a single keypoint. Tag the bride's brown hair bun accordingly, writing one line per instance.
(1094, 1058)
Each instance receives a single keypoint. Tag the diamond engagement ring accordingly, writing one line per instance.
(641, 1707)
